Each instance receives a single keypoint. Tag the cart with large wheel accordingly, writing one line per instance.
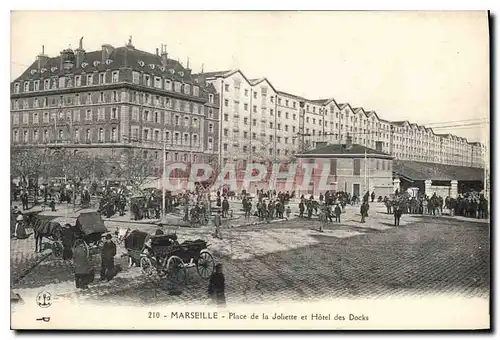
(89, 230)
(163, 256)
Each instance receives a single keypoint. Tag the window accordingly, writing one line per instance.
(255, 95)
(226, 117)
(245, 121)
(16, 88)
(60, 135)
(158, 82)
(168, 85)
(271, 112)
(177, 119)
(36, 85)
(147, 80)
(88, 115)
(89, 98)
(195, 140)
(210, 128)
(135, 77)
(35, 135)
(186, 121)
(78, 80)
(25, 136)
(226, 132)
(101, 97)
(177, 86)
(115, 96)
(114, 114)
(226, 102)
(157, 135)
(357, 167)
(46, 84)
(146, 134)
(27, 86)
(90, 79)
(15, 119)
(226, 87)
(186, 139)
(211, 98)
(101, 135)
(294, 116)
(35, 118)
(196, 91)
(255, 108)
(210, 143)
(102, 78)
(254, 122)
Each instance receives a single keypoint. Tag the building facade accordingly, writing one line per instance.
(114, 99)
(351, 168)
(292, 124)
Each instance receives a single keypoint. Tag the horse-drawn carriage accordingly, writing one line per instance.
(68, 233)
(164, 256)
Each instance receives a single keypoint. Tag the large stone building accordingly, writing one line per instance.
(348, 167)
(114, 99)
(262, 122)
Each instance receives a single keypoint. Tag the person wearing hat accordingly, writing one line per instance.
(20, 230)
(108, 253)
(216, 286)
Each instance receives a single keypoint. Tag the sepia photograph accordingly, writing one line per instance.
(250, 170)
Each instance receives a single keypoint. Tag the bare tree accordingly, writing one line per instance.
(136, 168)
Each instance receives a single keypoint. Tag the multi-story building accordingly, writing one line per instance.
(293, 124)
(113, 99)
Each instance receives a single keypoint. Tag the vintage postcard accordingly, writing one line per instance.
(250, 170)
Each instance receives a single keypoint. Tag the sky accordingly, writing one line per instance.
(429, 68)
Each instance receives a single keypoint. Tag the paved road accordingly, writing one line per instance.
(286, 260)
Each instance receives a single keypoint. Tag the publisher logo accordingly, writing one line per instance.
(44, 299)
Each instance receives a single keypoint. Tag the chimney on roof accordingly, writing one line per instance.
(80, 52)
(106, 52)
(164, 55)
(348, 142)
(42, 58)
(378, 146)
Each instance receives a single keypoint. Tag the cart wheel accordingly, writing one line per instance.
(147, 266)
(176, 270)
(79, 242)
(57, 249)
(205, 265)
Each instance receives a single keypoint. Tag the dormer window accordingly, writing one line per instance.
(33, 72)
(152, 66)
(84, 64)
(96, 63)
(181, 73)
(141, 63)
(53, 69)
(147, 80)
(108, 61)
(172, 71)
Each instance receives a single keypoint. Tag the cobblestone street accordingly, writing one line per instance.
(291, 260)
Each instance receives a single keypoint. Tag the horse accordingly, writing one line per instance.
(44, 228)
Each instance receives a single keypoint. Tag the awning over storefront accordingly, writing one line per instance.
(421, 171)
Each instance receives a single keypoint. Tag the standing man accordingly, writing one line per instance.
(398, 211)
(217, 223)
(364, 211)
(84, 273)
(373, 196)
(225, 207)
(338, 211)
(216, 287)
(108, 253)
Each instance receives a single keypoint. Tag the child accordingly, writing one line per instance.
(288, 212)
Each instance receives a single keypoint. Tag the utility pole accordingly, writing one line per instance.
(301, 125)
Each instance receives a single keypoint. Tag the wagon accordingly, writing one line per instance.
(163, 256)
(89, 230)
